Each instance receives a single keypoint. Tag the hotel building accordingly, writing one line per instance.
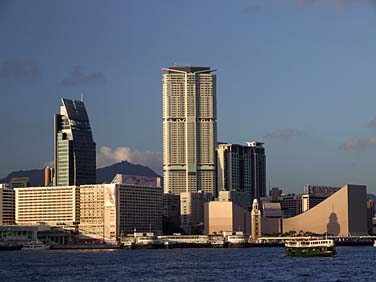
(98, 212)
(189, 130)
(55, 206)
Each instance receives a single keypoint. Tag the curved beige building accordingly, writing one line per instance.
(342, 214)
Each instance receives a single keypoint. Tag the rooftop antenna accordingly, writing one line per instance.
(82, 97)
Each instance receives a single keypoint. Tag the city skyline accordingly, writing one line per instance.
(295, 75)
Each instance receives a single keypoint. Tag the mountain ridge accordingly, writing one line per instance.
(104, 174)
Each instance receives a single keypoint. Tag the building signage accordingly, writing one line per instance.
(320, 190)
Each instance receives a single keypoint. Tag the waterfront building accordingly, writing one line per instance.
(256, 229)
(192, 212)
(74, 149)
(189, 130)
(98, 212)
(54, 206)
(19, 182)
(171, 213)
(140, 209)
(344, 213)
(24, 233)
(221, 216)
(7, 202)
(242, 168)
(271, 218)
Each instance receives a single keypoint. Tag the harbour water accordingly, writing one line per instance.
(251, 264)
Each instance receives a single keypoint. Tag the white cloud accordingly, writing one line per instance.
(285, 133)
(108, 156)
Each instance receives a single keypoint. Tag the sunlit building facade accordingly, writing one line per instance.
(55, 206)
(98, 212)
(189, 130)
(344, 213)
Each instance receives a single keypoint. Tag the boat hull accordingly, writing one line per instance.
(310, 252)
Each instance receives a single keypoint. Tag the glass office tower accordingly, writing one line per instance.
(75, 157)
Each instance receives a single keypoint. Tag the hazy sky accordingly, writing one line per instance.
(297, 75)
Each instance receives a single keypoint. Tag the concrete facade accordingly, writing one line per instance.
(271, 218)
(189, 130)
(54, 206)
(225, 217)
(342, 214)
(191, 211)
(99, 212)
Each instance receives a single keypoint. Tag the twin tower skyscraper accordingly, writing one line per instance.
(190, 140)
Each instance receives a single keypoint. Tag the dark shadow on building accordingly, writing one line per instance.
(333, 227)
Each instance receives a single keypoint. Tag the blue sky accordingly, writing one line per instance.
(298, 75)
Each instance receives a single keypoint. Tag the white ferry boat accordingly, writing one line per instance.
(310, 248)
(374, 243)
(150, 241)
(35, 245)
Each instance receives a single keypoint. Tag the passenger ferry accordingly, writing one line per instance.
(310, 248)
(236, 241)
(35, 245)
(148, 242)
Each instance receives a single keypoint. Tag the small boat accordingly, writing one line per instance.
(374, 243)
(310, 248)
(34, 246)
